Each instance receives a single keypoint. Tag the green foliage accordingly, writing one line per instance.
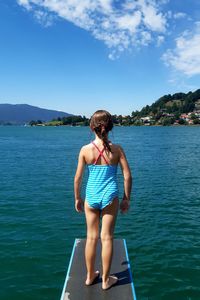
(32, 122)
(182, 122)
(175, 104)
(138, 123)
(193, 116)
(115, 119)
(72, 120)
(167, 121)
(196, 121)
(178, 96)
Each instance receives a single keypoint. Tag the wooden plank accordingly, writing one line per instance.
(74, 286)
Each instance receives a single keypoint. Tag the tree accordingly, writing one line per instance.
(196, 121)
(32, 123)
(115, 119)
(193, 116)
(119, 118)
(167, 121)
(182, 122)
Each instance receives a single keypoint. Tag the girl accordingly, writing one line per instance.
(101, 158)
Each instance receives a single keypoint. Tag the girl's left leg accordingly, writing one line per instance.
(92, 220)
(109, 215)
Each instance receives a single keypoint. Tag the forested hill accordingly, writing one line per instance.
(177, 103)
(24, 113)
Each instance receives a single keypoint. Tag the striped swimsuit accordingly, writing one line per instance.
(102, 185)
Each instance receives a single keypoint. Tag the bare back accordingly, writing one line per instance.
(91, 153)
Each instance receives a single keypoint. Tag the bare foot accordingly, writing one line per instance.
(91, 280)
(109, 282)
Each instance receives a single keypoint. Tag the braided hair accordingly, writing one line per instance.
(101, 123)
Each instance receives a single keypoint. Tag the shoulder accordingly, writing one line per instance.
(119, 150)
(117, 147)
(85, 148)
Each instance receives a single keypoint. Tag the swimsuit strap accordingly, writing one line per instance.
(100, 154)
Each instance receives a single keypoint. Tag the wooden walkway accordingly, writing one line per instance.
(74, 286)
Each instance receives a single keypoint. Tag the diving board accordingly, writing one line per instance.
(74, 286)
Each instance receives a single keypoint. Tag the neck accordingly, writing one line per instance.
(98, 140)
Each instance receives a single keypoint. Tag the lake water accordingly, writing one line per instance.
(39, 224)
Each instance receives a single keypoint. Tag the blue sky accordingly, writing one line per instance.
(80, 56)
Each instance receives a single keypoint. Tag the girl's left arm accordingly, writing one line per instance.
(78, 181)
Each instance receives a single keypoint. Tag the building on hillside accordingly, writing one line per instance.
(176, 122)
(169, 115)
(146, 120)
(185, 117)
(197, 113)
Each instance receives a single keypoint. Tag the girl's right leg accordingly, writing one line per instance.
(92, 220)
(109, 215)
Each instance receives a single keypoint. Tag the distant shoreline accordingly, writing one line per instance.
(172, 125)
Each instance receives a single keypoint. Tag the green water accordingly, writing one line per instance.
(39, 224)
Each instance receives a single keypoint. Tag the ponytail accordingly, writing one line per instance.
(104, 137)
(101, 123)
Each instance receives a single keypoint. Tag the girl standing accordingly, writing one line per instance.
(102, 158)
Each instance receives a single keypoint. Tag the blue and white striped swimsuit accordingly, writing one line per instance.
(102, 185)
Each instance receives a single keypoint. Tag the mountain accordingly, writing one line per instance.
(172, 104)
(24, 113)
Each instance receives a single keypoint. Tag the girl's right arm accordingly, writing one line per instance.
(124, 205)
(78, 181)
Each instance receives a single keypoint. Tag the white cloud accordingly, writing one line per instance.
(129, 21)
(44, 18)
(185, 57)
(160, 40)
(106, 5)
(24, 3)
(179, 15)
(153, 19)
(145, 38)
(123, 26)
